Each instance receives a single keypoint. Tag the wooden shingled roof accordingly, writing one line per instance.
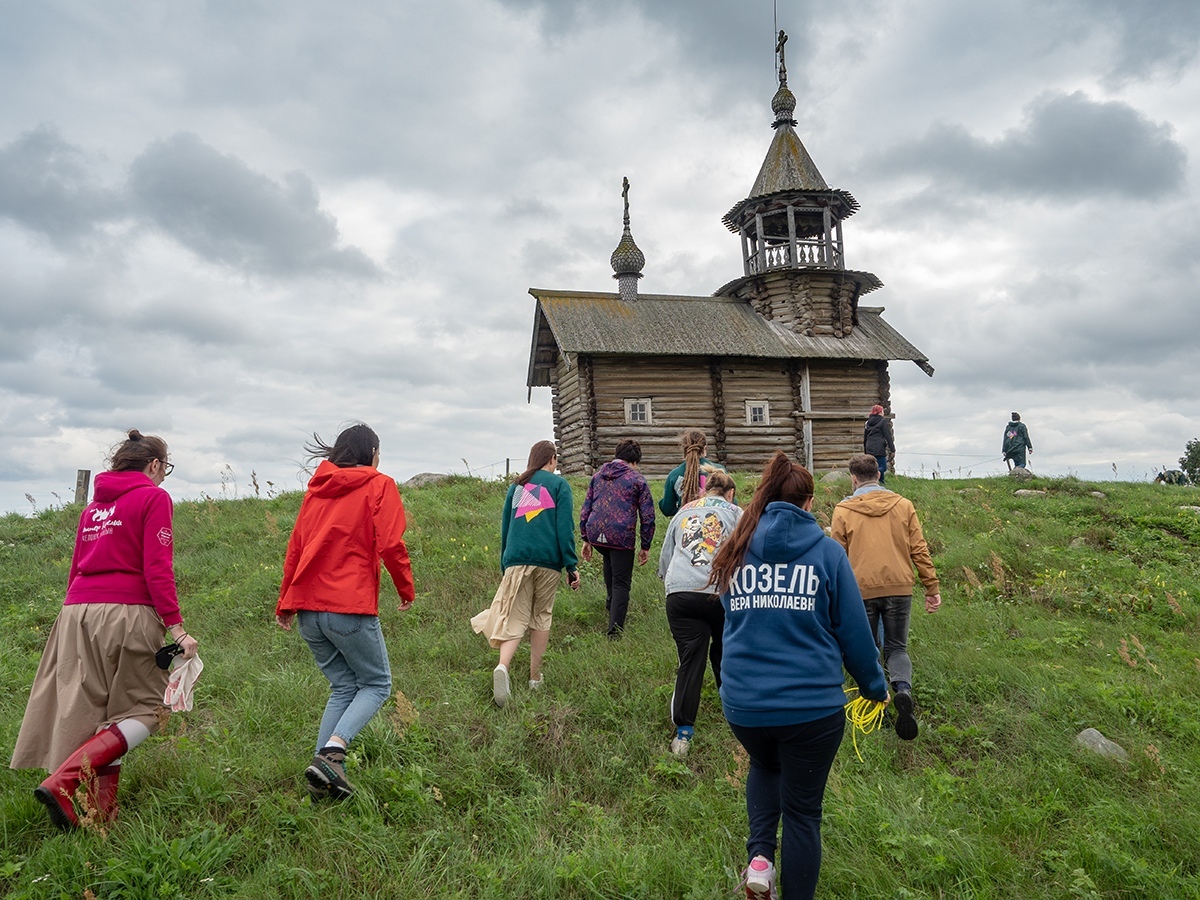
(669, 325)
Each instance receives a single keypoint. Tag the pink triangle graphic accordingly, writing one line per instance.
(533, 500)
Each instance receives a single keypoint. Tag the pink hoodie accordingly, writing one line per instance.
(123, 550)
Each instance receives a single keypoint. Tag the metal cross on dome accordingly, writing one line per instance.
(779, 49)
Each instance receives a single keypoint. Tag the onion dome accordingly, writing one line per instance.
(627, 259)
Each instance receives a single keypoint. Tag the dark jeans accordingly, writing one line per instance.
(618, 576)
(895, 613)
(789, 765)
(695, 619)
(882, 462)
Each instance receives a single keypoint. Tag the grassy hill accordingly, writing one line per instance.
(1062, 611)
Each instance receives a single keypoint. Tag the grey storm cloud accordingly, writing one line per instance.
(1162, 36)
(46, 186)
(225, 212)
(1069, 146)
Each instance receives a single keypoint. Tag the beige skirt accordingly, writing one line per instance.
(524, 600)
(97, 669)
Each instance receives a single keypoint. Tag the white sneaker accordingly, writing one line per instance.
(760, 879)
(500, 690)
(680, 746)
(536, 685)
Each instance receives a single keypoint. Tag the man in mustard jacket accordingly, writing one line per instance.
(882, 536)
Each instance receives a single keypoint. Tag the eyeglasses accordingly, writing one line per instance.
(167, 467)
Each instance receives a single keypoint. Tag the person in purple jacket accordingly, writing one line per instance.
(617, 498)
(98, 689)
(793, 616)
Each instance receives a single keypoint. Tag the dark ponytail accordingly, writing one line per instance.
(355, 446)
(783, 480)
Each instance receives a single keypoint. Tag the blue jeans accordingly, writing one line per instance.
(789, 765)
(350, 652)
(895, 613)
(882, 462)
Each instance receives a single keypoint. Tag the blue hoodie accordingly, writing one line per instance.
(793, 616)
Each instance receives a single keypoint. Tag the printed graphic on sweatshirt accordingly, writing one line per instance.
(164, 536)
(531, 499)
(788, 586)
(102, 523)
(701, 536)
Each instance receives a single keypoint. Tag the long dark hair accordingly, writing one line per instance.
(137, 452)
(539, 454)
(693, 444)
(782, 479)
(355, 446)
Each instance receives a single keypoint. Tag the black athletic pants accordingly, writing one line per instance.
(695, 619)
(618, 576)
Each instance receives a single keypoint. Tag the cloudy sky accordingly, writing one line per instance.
(234, 224)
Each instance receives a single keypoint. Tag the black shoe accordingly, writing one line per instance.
(906, 723)
(327, 773)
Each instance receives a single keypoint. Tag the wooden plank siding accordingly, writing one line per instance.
(589, 408)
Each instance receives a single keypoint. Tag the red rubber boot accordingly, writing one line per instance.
(57, 792)
(102, 799)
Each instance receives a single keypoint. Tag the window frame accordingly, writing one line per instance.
(630, 402)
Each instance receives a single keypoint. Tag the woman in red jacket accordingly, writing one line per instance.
(351, 518)
(97, 689)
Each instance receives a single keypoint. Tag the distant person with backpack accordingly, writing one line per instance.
(1016, 442)
(617, 498)
(685, 482)
(537, 542)
(877, 439)
(350, 520)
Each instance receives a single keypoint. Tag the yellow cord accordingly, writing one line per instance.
(863, 715)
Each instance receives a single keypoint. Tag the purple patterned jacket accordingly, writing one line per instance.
(616, 497)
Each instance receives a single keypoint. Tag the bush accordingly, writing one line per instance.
(1190, 461)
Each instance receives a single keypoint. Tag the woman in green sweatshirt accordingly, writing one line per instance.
(537, 541)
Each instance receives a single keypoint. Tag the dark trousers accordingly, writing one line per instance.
(695, 620)
(881, 461)
(618, 576)
(895, 613)
(789, 765)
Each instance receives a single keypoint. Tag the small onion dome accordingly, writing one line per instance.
(627, 259)
(783, 104)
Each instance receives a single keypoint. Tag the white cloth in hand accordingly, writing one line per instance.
(178, 695)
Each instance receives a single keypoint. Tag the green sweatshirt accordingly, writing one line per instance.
(537, 524)
(670, 502)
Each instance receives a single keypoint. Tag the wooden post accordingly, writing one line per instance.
(760, 243)
(83, 480)
(791, 214)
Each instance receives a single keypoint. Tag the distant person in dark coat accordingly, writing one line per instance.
(1016, 442)
(617, 498)
(877, 439)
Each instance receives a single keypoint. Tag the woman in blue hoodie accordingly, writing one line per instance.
(793, 615)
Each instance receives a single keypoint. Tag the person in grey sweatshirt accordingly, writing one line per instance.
(693, 609)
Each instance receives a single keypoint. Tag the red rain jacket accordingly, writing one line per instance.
(350, 519)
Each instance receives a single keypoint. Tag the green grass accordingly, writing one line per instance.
(1061, 612)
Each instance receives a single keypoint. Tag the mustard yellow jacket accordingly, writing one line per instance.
(882, 536)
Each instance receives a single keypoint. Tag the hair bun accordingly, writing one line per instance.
(134, 434)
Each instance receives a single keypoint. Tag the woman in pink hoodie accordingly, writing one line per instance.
(98, 688)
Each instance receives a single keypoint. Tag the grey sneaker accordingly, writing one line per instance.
(536, 685)
(326, 775)
(500, 688)
(680, 746)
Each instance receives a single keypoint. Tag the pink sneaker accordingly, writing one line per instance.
(760, 879)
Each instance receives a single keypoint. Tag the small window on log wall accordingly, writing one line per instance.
(758, 412)
(637, 410)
